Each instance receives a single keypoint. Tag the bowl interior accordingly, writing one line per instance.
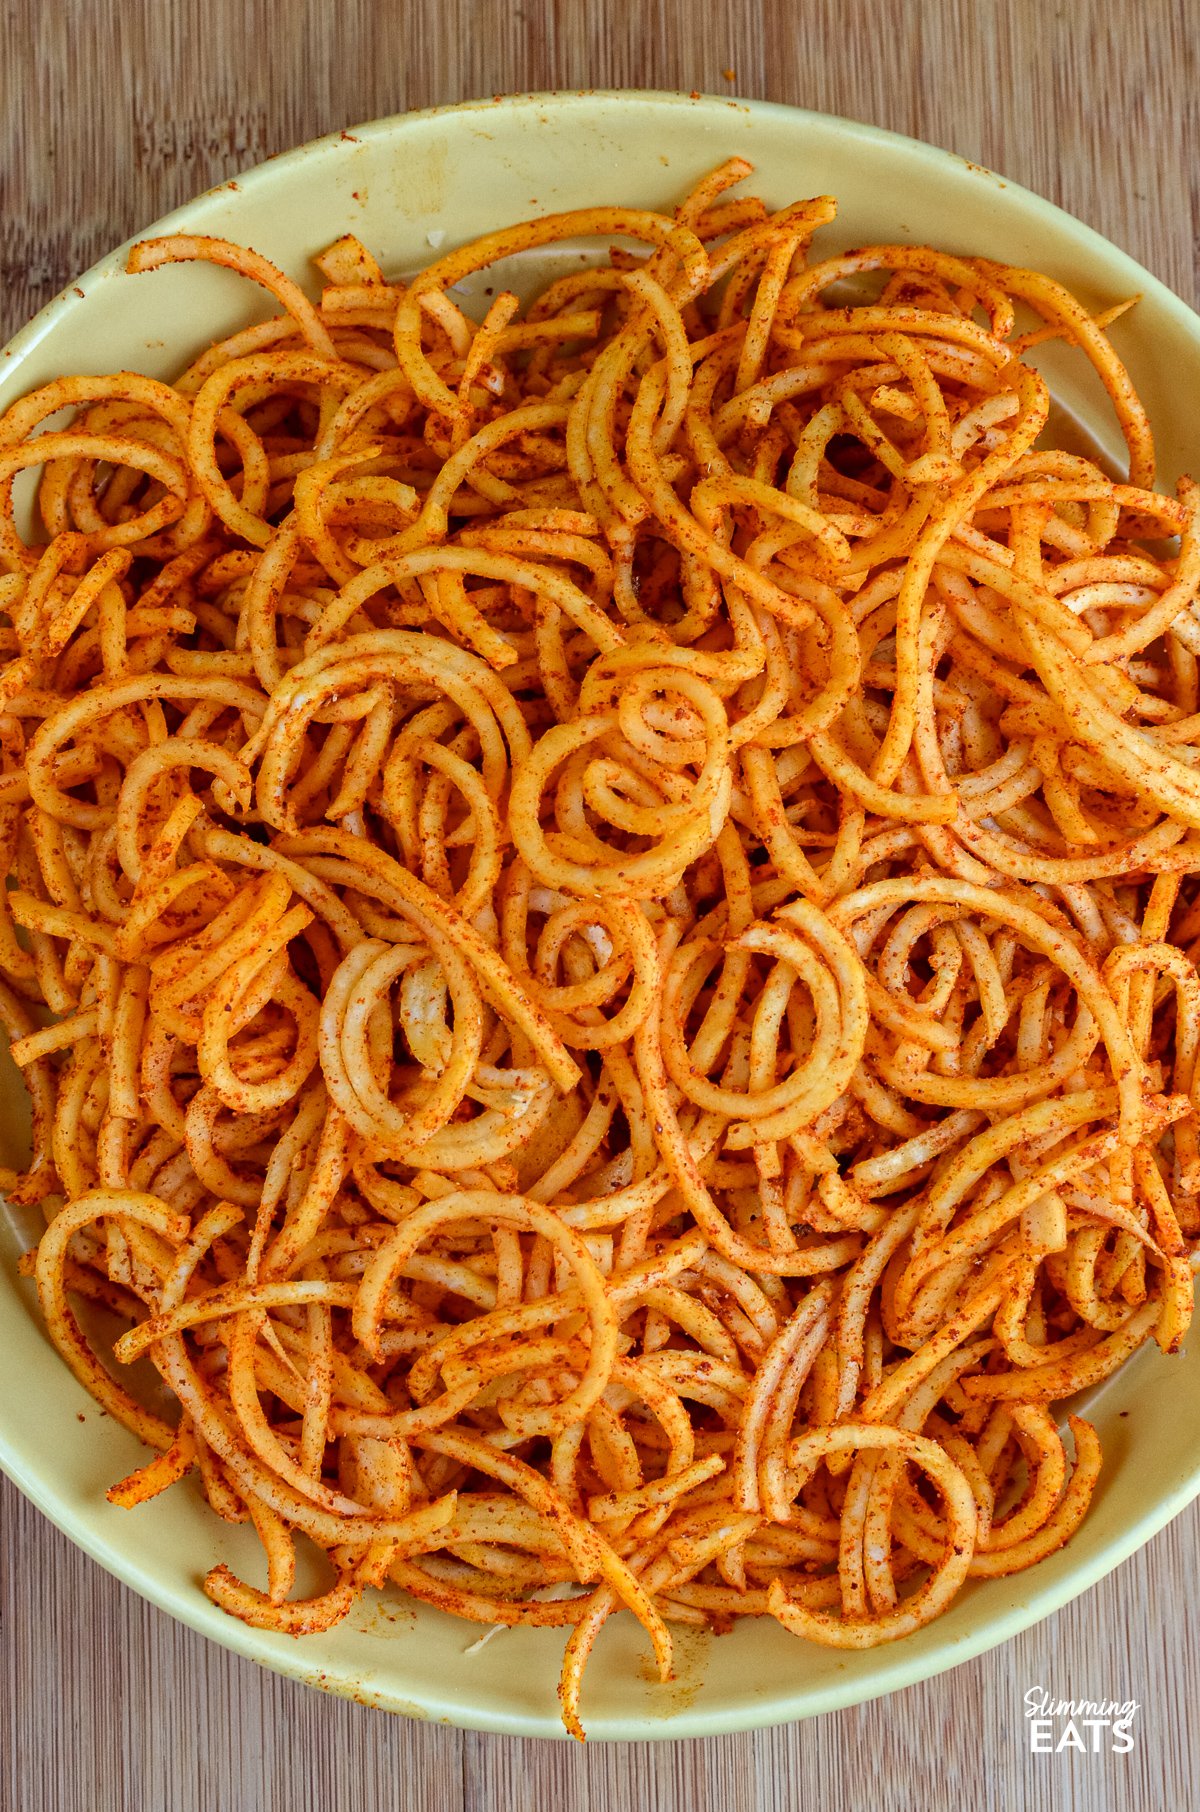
(409, 188)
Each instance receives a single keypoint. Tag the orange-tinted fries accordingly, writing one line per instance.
(616, 889)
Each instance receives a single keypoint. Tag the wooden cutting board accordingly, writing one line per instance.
(111, 115)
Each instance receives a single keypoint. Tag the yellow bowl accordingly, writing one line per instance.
(407, 187)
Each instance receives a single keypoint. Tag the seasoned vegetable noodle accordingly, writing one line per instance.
(601, 921)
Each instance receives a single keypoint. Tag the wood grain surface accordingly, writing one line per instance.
(113, 113)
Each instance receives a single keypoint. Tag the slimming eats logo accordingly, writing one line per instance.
(1091, 1726)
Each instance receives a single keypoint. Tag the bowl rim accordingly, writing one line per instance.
(895, 1670)
(256, 175)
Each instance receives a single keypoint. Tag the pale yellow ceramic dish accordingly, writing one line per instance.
(407, 187)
